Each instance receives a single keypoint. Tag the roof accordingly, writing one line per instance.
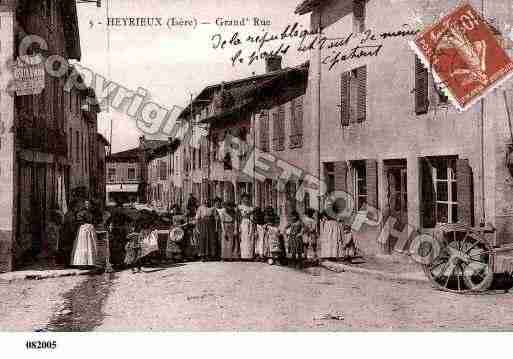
(207, 93)
(258, 93)
(152, 144)
(307, 6)
(124, 156)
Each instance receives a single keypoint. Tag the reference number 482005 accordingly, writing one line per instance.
(37, 344)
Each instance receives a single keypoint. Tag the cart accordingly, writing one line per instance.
(463, 259)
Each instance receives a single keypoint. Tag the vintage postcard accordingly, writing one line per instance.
(236, 165)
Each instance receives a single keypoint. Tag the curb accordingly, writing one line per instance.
(340, 268)
(39, 275)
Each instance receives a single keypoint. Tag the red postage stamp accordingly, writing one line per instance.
(464, 56)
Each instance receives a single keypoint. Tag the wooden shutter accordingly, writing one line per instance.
(276, 131)
(359, 9)
(464, 180)
(371, 170)
(299, 115)
(345, 81)
(361, 110)
(264, 131)
(281, 121)
(340, 176)
(421, 88)
(428, 205)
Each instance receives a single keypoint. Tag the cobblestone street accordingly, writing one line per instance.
(243, 296)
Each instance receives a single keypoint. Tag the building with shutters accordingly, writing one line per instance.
(36, 172)
(389, 138)
(266, 111)
(161, 192)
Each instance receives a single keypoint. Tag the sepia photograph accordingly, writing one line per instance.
(228, 166)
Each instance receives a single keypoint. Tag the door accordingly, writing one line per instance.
(397, 193)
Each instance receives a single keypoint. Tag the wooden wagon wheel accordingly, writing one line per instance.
(464, 262)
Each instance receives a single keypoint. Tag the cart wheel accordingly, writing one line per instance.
(464, 263)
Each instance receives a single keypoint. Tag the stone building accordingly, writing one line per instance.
(37, 172)
(159, 162)
(390, 138)
(230, 119)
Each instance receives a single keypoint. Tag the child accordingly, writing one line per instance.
(176, 236)
(54, 230)
(133, 249)
(295, 239)
(273, 241)
(310, 234)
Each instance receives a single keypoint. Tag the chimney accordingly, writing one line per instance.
(272, 63)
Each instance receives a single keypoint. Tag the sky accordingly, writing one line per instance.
(171, 63)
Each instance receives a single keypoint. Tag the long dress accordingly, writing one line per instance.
(309, 236)
(261, 247)
(330, 239)
(206, 225)
(85, 247)
(247, 233)
(228, 247)
(271, 241)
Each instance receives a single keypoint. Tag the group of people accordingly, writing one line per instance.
(224, 231)
(214, 230)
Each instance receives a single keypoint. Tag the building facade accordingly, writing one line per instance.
(391, 139)
(266, 112)
(36, 173)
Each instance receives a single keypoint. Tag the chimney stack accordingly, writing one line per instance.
(272, 63)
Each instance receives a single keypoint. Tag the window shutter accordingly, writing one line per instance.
(371, 170)
(281, 121)
(299, 115)
(340, 176)
(427, 208)
(359, 8)
(421, 88)
(344, 98)
(361, 111)
(264, 131)
(465, 192)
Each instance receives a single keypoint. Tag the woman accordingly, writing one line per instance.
(246, 229)
(295, 239)
(330, 237)
(85, 246)
(206, 229)
(227, 218)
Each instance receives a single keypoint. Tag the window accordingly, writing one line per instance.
(329, 173)
(264, 131)
(358, 16)
(163, 170)
(444, 178)
(70, 146)
(360, 184)
(447, 192)
(112, 174)
(279, 129)
(296, 122)
(353, 96)
(77, 147)
(131, 174)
